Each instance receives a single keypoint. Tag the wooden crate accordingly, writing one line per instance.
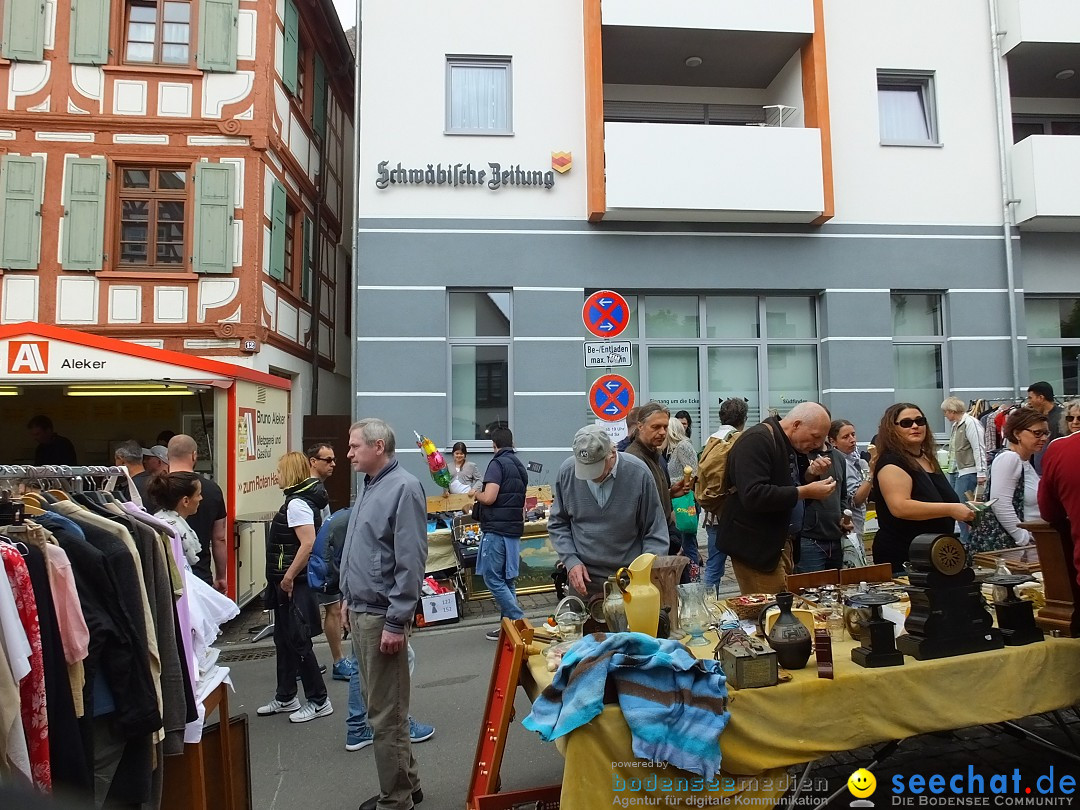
(1022, 560)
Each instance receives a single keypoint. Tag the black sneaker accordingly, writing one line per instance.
(373, 802)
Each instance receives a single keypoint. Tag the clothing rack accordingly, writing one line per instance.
(19, 472)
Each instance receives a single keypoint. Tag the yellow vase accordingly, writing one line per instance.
(640, 596)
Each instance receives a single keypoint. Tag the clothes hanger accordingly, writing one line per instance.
(32, 509)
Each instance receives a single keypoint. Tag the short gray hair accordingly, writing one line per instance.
(130, 452)
(372, 430)
(953, 405)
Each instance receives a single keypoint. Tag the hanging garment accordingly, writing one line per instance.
(32, 686)
(14, 666)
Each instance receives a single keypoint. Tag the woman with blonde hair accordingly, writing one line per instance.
(296, 612)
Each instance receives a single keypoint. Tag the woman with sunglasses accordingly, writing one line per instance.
(1014, 484)
(1070, 417)
(911, 493)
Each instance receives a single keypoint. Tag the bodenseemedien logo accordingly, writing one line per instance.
(862, 785)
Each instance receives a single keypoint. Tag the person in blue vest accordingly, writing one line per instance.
(500, 509)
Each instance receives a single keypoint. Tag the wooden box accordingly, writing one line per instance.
(745, 671)
(1021, 560)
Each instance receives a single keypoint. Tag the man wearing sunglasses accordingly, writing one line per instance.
(323, 461)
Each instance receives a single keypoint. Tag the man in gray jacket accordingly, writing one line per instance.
(382, 567)
(606, 511)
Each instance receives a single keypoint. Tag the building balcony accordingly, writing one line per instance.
(1041, 39)
(1045, 174)
(761, 16)
(688, 172)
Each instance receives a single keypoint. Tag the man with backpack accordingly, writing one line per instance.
(711, 486)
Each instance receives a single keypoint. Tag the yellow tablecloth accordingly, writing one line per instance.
(809, 718)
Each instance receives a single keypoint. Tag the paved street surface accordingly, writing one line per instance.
(306, 765)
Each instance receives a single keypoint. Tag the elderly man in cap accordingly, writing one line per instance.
(606, 511)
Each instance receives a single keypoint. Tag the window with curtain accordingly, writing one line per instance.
(479, 96)
(158, 33)
(906, 108)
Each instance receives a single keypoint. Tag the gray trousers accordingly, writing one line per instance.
(386, 684)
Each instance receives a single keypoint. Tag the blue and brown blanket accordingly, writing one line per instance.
(675, 704)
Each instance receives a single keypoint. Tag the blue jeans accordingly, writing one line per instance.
(963, 484)
(498, 564)
(819, 555)
(356, 722)
(714, 566)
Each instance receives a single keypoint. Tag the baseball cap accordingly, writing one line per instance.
(592, 446)
(159, 451)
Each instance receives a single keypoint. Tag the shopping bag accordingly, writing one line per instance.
(685, 508)
(854, 552)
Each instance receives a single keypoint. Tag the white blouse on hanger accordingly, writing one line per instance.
(188, 538)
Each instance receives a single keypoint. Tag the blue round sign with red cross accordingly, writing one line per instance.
(611, 397)
(605, 314)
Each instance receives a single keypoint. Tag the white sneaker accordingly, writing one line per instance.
(311, 710)
(275, 706)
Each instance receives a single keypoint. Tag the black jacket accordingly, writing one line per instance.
(754, 524)
(507, 515)
(282, 542)
(821, 520)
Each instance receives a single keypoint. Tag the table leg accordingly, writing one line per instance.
(1024, 734)
(880, 755)
(799, 787)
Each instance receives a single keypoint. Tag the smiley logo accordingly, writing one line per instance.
(862, 783)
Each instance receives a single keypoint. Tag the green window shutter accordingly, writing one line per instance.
(89, 41)
(309, 253)
(318, 106)
(24, 30)
(21, 187)
(292, 46)
(213, 238)
(84, 213)
(277, 232)
(217, 35)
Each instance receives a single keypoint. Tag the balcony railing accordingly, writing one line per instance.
(1045, 169)
(667, 171)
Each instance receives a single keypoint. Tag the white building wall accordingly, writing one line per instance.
(954, 184)
(406, 113)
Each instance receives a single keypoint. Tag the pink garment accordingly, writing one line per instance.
(73, 630)
(32, 686)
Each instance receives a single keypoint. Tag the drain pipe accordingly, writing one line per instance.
(1007, 200)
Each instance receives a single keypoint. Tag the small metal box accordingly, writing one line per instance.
(746, 671)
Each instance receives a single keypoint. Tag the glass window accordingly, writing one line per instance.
(673, 380)
(479, 314)
(1057, 365)
(479, 388)
(916, 315)
(920, 379)
(790, 318)
(792, 377)
(670, 316)
(1053, 318)
(733, 372)
(906, 108)
(158, 32)
(152, 208)
(479, 96)
(732, 317)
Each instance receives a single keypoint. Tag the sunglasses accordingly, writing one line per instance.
(327, 460)
(906, 423)
(1073, 418)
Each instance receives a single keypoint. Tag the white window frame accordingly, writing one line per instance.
(923, 82)
(504, 63)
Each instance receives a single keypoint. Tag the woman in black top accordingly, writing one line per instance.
(911, 493)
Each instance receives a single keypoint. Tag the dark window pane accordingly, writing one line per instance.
(133, 252)
(170, 254)
(172, 179)
(133, 232)
(136, 178)
(170, 232)
(135, 210)
(171, 211)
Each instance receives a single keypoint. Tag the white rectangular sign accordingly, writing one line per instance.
(600, 355)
